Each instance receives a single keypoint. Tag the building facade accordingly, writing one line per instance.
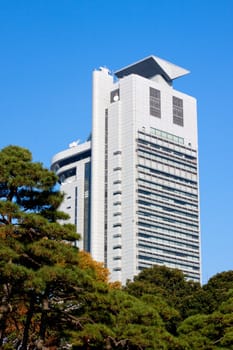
(144, 206)
(73, 167)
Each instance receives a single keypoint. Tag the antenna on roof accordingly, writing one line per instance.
(74, 144)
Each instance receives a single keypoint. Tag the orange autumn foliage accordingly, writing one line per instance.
(87, 262)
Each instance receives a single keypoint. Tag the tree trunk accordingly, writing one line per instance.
(28, 324)
(43, 322)
(5, 308)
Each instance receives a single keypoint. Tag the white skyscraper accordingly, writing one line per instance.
(144, 171)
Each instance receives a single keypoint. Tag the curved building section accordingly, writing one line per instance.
(73, 167)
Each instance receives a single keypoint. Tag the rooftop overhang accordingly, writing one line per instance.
(150, 67)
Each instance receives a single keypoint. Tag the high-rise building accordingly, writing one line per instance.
(73, 167)
(144, 171)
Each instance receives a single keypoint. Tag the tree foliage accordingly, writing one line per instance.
(86, 262)
(52, 296)
(39, 272)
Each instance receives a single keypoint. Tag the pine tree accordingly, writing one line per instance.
(40, 280)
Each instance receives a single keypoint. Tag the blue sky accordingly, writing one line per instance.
(49, 48)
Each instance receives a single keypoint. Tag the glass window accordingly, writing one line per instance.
(115, 95)
(155, 105)
(178, 115)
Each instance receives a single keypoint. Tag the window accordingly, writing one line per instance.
(116, 153)
(155, 105)
(116, 225)
(117, 235)
(115, 95)
(117, 203)
(76, 206)
(87, 208)
(118, 246)
(117, 192)
(116, 182)
(117, 168)
(66, 174)
(167, 136)
(117, 214)
(178, 115)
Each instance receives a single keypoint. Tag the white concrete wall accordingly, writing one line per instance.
(165, 123)
(68, 186)
(102, 85)
(125, 117)
(128, 133)
(114, 162)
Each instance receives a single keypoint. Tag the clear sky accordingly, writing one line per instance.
(49, 48)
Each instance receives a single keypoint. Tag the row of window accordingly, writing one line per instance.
(148, 222)
(155, 107)
(182, 240)
(152, 185)
(67, 174)
(167, 247)
(165, 182)
(150, 217)
(173, 219)
(165, 159)
(163, 230)
(167, 140)
(154, 259)
(176, 211)
(170, 252)
(167, 176)
(166, 167)
(70, 160)
(168, 136)
(189, 271)
(168, 150)
(177, 203)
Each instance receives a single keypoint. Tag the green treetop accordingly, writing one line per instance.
(38, 260)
